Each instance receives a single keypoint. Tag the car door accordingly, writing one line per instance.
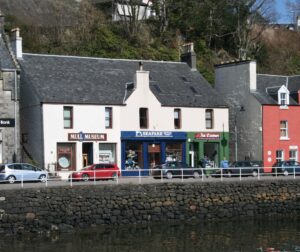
(30, 172)
(16, 171)
(247, 168)
(101, 172)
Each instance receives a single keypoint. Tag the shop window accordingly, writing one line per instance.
(143, 118)
(293, 155)
(177, 118)
(134, 156)
(173, 152)
(68, 117)
(209, 118)
(66, 158)
(108, 118)
(279, 155)
(283, 129)
(107, 153)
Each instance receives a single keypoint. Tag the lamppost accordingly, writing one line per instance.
(241, 109)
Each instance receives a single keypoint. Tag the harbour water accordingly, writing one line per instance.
(232, 236)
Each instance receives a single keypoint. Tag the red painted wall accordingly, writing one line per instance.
(272, 115)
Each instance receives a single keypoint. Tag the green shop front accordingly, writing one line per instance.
(209, 146)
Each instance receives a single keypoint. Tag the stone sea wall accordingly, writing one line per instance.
(62, 209)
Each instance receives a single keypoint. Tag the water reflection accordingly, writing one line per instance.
(282, 234)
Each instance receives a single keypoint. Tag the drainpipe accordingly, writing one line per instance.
(15, 116)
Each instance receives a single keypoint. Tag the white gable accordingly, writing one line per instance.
(283, 96)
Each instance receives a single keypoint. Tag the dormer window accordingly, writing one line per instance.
(283, 97)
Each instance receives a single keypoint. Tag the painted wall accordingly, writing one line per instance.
(272, 115)
(86, 119)
(235, 82)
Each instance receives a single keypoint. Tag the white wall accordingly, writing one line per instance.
(87, 119)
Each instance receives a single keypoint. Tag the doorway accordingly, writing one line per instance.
(211, 151)
(154, 156)
(87, 154)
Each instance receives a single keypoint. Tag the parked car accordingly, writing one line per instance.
(96, 171)
(243, 168)
(22, 172)
(177, 169)
(286, 168)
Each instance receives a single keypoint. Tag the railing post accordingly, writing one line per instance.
(240, 174)
(95, 175)
(258, 175)
(140, 176)
(221, 174)
(22, 182)
(202, 176)
(161, 175)
(181, 175)
(71, 180)
(294, 173)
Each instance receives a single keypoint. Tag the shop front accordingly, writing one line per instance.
(207, 147)
(83, 149)
(142, 150)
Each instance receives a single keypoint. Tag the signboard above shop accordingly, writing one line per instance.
(87, 136)
(208, 136)
(7, 122)
(153, 134)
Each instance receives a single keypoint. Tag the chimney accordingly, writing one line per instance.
(142, 81)
(2, 21)
(16, 43)
(188, 55)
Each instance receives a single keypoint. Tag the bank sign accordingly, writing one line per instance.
(208, 136)
(87, 136)
(7, 122)
(153, 134)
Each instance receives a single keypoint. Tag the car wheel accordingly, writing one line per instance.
(196, 175)
(254, 173)
(85, 177)
(43, 178)
(169, 175)
(11, 179)
(285, 173)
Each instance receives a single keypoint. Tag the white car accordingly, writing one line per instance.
(22, 172)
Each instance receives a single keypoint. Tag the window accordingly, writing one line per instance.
(177, 118)
(283, 129)
(293, 155)
(209, 118)
(143, 118)
(283, 99)
(68, 117)
(108, 117)
(279, 155)
(134, 155)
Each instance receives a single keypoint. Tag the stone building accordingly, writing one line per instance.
(9, 97)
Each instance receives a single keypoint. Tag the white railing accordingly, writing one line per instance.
(141, 176)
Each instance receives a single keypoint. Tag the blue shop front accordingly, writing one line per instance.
(142, 150)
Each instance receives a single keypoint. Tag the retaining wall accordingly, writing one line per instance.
(64, 208)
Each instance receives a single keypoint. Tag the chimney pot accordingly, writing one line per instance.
(141, 66)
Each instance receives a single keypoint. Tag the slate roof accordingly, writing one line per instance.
(82, 80)
(268, 86)
(6, 61)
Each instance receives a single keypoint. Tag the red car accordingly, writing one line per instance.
(96, 171)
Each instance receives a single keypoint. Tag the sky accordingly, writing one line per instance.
(284, 15)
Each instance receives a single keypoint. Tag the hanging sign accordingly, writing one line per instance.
(87, 136)
(7, 122)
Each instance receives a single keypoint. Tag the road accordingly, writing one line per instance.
(137, 180)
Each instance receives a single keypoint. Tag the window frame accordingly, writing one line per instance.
(279, 158)
(283, 100)
(71, 118)
(295, 158)
(177, 121)
(144, 118)
(284, 129)
(209, 119)
(109, 119)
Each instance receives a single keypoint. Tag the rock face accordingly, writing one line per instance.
(63, 209)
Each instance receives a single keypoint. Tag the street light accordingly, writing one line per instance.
(242, 109)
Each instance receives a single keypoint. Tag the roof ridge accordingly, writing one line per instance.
(285, 76)
(98, 58)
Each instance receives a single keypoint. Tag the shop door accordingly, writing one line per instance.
(154, 155)
(211, 152)
(87, 154)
